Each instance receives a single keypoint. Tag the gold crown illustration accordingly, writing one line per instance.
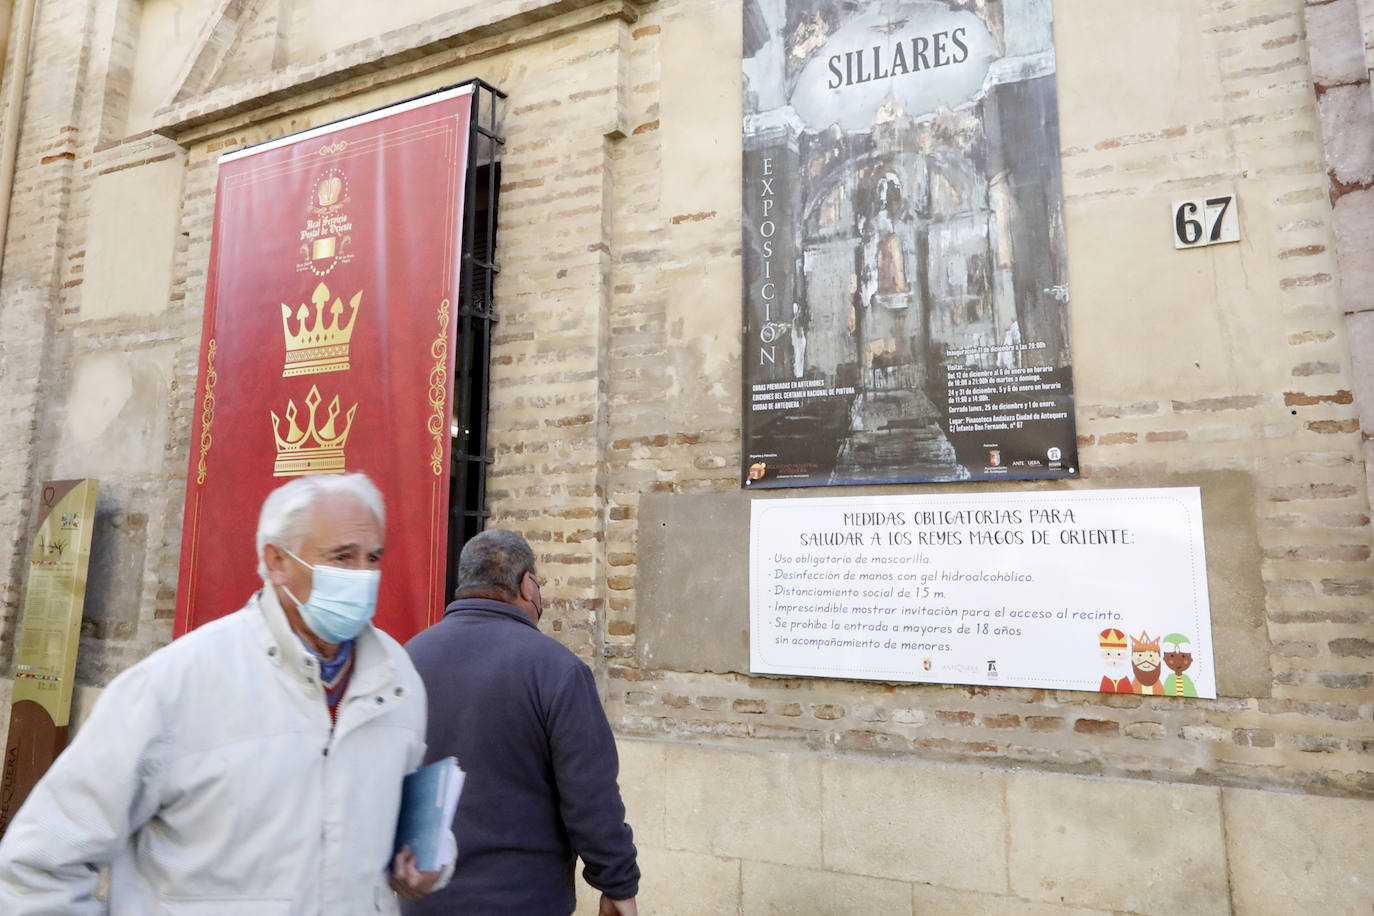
(316, 449)
(1144, 643)
(323, 345)
(1112, 638)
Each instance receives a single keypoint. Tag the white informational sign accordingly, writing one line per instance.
(1101, 590)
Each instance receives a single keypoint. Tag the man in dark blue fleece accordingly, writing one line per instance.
(522, 715)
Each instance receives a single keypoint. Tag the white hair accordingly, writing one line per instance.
(282, 521)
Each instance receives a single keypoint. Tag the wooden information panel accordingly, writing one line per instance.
(48, 636)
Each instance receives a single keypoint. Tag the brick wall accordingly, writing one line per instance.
(615, 369)
(1238, 360)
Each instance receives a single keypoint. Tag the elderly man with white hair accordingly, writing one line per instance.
(253, 766)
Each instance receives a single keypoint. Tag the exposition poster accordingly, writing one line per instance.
(905, 283)
(330, 308)
(1099, 590)
(49, 633)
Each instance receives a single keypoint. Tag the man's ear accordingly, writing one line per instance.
(527, 587)
(275, 559)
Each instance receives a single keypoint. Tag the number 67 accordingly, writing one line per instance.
(1213, 217)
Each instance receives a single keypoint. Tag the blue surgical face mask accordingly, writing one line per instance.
(341, 601)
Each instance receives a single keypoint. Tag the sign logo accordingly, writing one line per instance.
(926, 664)
(326, 238)
(757, 469)
(995, 457)
(1053, 453)
(992, 669)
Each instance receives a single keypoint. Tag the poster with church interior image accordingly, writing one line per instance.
(906, 313)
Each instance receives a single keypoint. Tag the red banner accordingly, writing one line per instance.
(330, 310)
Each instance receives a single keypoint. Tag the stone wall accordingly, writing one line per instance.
(615, 404)
(796, 833)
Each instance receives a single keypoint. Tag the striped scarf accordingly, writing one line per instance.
(334, 674)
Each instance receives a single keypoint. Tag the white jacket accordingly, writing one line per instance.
(210, 778)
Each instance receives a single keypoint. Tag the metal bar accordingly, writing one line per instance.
(493, 191)
(470, 454)
(458, 483)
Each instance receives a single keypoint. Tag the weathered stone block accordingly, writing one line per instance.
(691, 618)
(130, 239)
(699, 72)
(116, 420)
(1353, 214)
(705, 351)
(1347, 115)
(1354, 217)
(1095, 102)
(114, 589)
(643, 765)
(677, 882)
(1298, 853)
(943, 901)
(894, 820)
(781, 891)
(1120, 845)
(771, 801)
(1334, 42)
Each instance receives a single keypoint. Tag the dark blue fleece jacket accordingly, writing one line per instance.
(521, 713)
